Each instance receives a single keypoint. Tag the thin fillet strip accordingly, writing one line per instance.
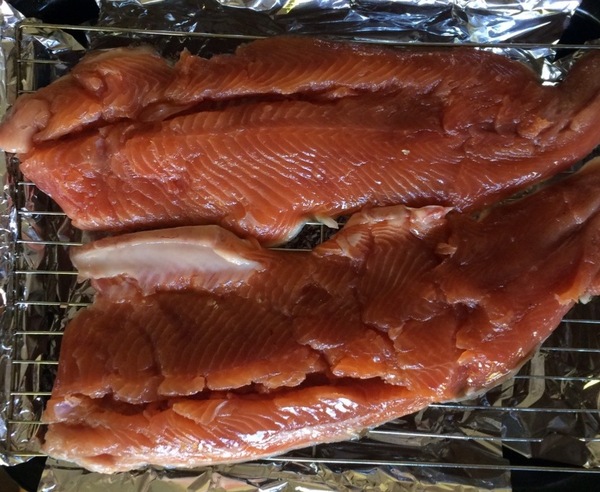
(263, 169)
(294, 65)
(105, 86)
(465, 302)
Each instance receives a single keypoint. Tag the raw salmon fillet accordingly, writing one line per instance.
(103, 87)
(202, 348)
(452, 133)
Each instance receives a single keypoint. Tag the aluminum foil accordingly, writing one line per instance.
(20, 250)
(267, 477)
(550, 411)
(539, 21)
(8, 20)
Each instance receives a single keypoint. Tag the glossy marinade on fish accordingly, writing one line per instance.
(225, 351)
(262, 141)
(104, 87)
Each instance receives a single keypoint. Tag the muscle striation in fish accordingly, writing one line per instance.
(136, 83)
(104, 87)
(223, 351)
(458, 128)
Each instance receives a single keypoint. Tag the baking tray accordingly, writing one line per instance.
(557, 411)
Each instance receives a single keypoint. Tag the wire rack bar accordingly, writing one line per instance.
(25, 422)
(159, 32)
(431, 435)
(61, 304)
(406, 463)
(571, 349)
(46, 272)
(556, 378)
(30, 213)
(35, 362)
(582, 321)
(41, 242)
(39, 333)
(464, 406)
(30, 393)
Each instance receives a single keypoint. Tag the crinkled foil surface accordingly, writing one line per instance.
(8, 20)
(402, 20)
(549, 412)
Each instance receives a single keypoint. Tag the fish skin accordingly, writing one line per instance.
(467, 317)
(104, 87)
(212, 258)
(263, 169)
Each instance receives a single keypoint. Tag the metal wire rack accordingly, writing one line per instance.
(551, 400)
